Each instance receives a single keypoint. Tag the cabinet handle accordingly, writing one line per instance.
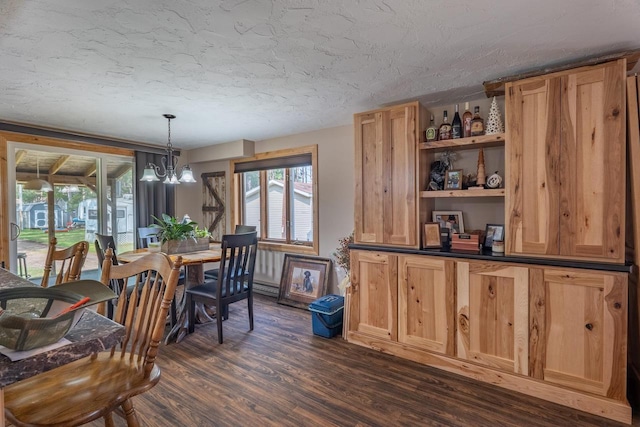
(589, 326)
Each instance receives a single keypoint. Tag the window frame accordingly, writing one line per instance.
(237, 186)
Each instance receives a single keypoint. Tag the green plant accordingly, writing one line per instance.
(171, 228)
(201, 232)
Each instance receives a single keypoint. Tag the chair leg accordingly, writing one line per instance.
(191, 313)
(219, 313)
(130, 413)
(250, 309)
(108, 420)
(173, 311)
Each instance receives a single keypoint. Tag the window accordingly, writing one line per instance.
(277, 193)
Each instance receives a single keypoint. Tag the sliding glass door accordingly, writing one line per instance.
(92, 193)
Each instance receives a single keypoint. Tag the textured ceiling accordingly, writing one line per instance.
(259, 69)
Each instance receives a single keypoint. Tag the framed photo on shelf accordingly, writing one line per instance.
(431, 237)
(449, 219)
(304, 279)
(453, 180)
(493, 232)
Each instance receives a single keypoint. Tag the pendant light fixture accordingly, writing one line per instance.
(37, 184)
(152, 172)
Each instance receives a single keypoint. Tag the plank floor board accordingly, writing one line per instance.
(282, 375)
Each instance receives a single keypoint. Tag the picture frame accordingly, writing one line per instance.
(431, 236)
(453, 179)
(493, 232)
(304, 279)
(449, 219)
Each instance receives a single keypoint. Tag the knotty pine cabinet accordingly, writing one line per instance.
(386, 142)
(492, 310)
(566, 164)
(578, 323)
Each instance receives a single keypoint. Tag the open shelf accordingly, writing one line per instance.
(494, 140)
(490, 192)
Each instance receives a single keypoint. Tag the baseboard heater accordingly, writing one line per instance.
(268, 289)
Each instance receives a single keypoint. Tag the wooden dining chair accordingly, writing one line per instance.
(212, 274)
(67, 262)
(96, 386)
(102, 243)
(147, 235)
(234, 283)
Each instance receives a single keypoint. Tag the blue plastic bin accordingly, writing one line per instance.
(326, 315)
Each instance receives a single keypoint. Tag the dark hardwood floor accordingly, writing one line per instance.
(282, 375)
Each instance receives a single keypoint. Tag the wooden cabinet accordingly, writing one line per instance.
(386, 185)
(565, 157)
(374, 294)
(578, 323)
(426, 301)
(493, 323)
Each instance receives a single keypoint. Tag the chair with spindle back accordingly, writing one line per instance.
(234, 283)
(147, 235)
(96, 386)
(68, 262)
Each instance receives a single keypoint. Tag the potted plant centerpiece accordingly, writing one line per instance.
(180, 236)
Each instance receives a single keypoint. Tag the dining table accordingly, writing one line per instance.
(92, 334)
(193, 263)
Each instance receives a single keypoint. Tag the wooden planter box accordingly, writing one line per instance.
(184, 246)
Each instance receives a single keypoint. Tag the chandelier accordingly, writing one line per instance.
(167, 170)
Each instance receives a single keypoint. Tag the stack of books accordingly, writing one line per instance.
(467, 241)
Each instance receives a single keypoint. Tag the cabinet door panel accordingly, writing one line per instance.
(593, 160)
(426, 301)
(582, 324)
(493, 318)
(369, 181)
(374, 297)
(532, 157)
(400, 190)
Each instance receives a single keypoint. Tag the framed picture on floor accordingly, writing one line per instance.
(304, 279)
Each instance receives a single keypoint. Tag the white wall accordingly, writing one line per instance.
(335, 191)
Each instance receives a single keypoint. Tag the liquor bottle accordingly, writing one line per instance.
(432, 131)
(444, 132)
(466, 121)
(456, 125)
(477, 123)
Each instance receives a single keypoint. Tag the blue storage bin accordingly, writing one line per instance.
(326, 315)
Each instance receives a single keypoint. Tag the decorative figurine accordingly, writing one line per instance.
(481, 176)
(494, 122)
(494, 181)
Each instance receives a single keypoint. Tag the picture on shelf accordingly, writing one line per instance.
(449, 219)
(453, 180)
(493, 232)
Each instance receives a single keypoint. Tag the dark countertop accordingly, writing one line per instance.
(487, 255)
(92, 334)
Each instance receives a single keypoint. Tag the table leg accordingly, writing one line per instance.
(194, 275)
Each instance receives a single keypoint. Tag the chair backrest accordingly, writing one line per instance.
(143, 312)
(235, 278)
(68, 262)
(147, 235)
(241, 228)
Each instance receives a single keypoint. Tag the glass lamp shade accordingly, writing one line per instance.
(38, 185)
(171, 179)
(149, 174)
(187, 175)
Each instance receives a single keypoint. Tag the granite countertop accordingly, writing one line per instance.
(92, 334)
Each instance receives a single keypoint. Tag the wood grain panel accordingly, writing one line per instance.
(532, 155)
(399, 195)
(633, 122)
(369, 167)
(374, 297)
(585, 336)
(537, 327)
(426, 298)
(498, 323)
(592, 194)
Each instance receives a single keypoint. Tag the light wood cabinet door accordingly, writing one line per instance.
(532, 160)
(592, 167)
(565, 159)
(578, 326)
(370, 182)
(374, 294)
(493, 315)
(426, 303)
(385, 176)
